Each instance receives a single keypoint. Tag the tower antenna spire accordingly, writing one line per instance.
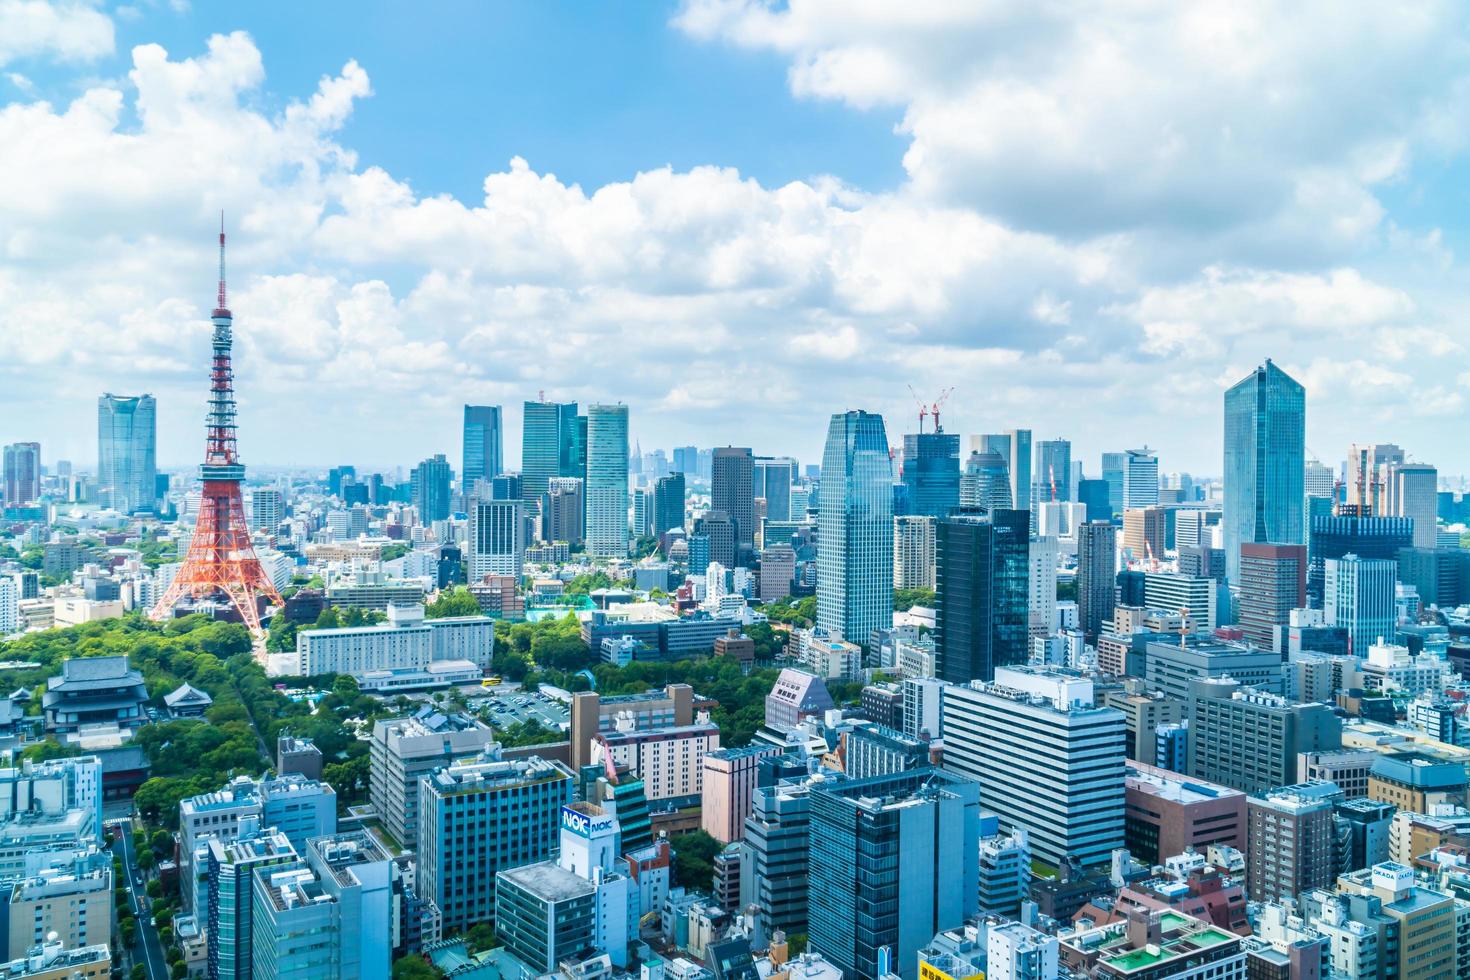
(221, 305)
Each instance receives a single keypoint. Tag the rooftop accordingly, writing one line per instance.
(549, 881)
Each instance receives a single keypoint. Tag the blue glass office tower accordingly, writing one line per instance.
(481, 445)
(931, 471)
(982, 566)
(892, 862)
(1340, 535)
(430, 481)
(607, 481)
(1054, 470)
(553, 441)
(855, 529)
(127, 441)
(1265, 461)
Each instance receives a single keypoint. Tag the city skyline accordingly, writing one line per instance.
(843, 244)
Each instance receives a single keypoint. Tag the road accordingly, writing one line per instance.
(147, 936)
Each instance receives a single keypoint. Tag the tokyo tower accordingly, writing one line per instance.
(221, 561)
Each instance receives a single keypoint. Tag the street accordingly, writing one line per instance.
(141, 905)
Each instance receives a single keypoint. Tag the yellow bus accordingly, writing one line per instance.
(490, 682)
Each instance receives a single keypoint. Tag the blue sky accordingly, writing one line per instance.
(592, 92)
(738, 218)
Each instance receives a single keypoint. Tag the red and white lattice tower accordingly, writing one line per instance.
(221, 561)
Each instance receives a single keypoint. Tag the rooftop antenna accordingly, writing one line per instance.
(221, 302)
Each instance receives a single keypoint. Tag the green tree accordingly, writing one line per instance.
(458, 601)
(694, 855)
(139, 971)
(154, 888)
(906, 599)
(414, 967)
(47, 749)
(480, 936)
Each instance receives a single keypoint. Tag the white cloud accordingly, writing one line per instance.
(722, 309)
(68, 31)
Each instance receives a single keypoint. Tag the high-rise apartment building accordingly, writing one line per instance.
(893, 861)
(1140, 479)
(482, 445)
(931, 470)
(914, 538)
(430, 488)
(1047, 759)
(564, 510)
(982, 582)
(1265, 462)
(1273, 582)
(607, 481)
(1041, 587)
(1358, 596)
(267, 509)
(1291, 841)
(732, 490)
(855, 529)
(550, 445)
(127, 444)
(1097, 568)
(21, 474)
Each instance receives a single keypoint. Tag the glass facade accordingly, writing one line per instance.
(931, 471)
(982, 580)
(127, 441)
(430, 481)
(550, 445)
(1265, 462)
(607, 481)
(855, 529)
(1053, 470)
(482, 442)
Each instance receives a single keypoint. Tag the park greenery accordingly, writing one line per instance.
(200, 755)
(906, 599)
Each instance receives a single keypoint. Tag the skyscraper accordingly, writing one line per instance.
(497, 542)
(1054, 469)
(772, 481)
(1112, 474)
(430, 480)
(607, 480)
(550, 441)
(482, 459)
(668, 503)
(1273, 582)
(1140, 479)
(1358, 596)
(931, 469)
(855, 529)
(1265, 462)
(1097, 567)
(893, 861)
(732, 491)
(986, 482)
(982, 580)
(127, 441)
(1337, 535)
(22, 474)
(1413, 491)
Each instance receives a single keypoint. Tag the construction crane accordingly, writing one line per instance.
(923, 410)
(938, 404)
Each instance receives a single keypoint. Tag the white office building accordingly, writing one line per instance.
(407, 641)
(913, 551)
(1042, 584)
(1047, 759)
(497, 539)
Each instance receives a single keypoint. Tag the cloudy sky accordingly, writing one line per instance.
(1087, 217)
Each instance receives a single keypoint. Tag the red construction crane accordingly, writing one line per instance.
(938, 404)
(923, 408)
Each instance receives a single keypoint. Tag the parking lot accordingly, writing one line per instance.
(509, 708)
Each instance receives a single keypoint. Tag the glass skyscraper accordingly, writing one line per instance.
(855, 529)
(430, 480)
(550, 445)
(982, 561)
(607, 481)
(127, 442)
(1053, 470)
(1265, 462)
(931, 470)
(482, 442)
